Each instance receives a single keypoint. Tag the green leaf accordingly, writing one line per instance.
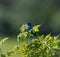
(36, 28)
(23, 27)
(3, 41)
(22, 36)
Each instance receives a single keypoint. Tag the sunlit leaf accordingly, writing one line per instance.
(36, 28)
(3, 41)
(23, 27)
(22, 36)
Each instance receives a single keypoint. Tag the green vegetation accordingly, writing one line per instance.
(37, 46)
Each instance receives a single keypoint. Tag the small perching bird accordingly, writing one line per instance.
(27, 31)
(26, 27)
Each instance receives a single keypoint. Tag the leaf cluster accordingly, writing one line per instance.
(40, 46)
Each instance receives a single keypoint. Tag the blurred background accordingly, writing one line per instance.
(14, 13)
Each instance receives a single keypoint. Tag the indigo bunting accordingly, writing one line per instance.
(29, 27)
(26, 27)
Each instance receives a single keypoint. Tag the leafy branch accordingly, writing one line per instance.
(40, 46)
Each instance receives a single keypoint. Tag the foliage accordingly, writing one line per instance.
(1, 43)
(41, 46)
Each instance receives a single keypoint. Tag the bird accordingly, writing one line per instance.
(26, 27)
(29, 27)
